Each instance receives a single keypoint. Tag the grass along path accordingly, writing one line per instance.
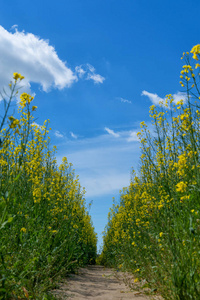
(97, 282)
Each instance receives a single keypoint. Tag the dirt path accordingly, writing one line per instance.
(96, 282)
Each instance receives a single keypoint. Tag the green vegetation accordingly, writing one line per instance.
(45, 230)
(154, 232)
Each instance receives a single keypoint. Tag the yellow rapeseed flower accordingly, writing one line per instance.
(195, 50)
(34, 108)
(25, 98)
(17, 76)
(14, 122)
(181, 186)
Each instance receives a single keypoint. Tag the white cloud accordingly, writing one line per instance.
(89, 72)
(156, 100)
(34, 58)
(74, 136)
(58, 134)
(124, 100)
(96, 78)
(90, 68)
(79, 70)
(179, 96)
(111, 132)
(108, 184)
(14, 27)
(38, 61)
(133, 137)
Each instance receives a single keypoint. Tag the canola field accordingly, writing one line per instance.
(45, 229)
(154, 231)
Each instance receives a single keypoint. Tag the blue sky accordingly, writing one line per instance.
(95, 68)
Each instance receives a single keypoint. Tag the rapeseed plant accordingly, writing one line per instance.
(45, 230)
(154, 231)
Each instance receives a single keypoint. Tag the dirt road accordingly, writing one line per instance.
(97, 283)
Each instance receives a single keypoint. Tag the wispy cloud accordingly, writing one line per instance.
(180, 96)
(111, 132)
(80, 72)
(133, 137)
(74, 136)
(103, 163)
(90, 68)
(156, 100)
(96, 78)
(124, 100)
(107, 184)
(87, 72)
(58, 134)
(14, 27)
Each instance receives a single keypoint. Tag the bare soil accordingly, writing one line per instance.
(97, 282)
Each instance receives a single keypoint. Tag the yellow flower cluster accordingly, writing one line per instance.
(26, 99)
(46, 202)
(17, 76)
(195, 50)
(155, 226)
(181, 187)
(14, 122)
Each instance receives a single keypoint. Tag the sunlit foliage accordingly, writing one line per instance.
(154, 231)
(45, 229)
